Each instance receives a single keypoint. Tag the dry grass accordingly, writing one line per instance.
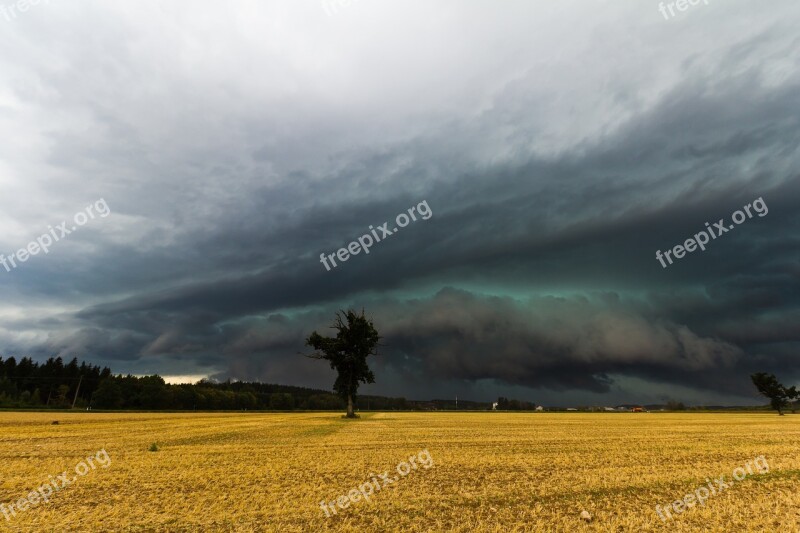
(493, 471)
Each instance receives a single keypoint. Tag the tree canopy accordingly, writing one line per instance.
(356, 339)
(769, 386)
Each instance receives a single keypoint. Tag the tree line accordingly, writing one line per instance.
(54, 384)
(152, 393)
(26, 383)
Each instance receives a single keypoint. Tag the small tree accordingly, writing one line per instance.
(769, 386)
(356, 339)
(674, 405)
(793, 394)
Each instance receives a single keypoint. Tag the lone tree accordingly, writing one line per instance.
(769, 386)
(356, 339)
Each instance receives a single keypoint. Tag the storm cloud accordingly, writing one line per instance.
(558, 145)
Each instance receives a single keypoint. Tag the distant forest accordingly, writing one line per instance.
(28, 384)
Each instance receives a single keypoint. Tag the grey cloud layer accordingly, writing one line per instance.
(558, 151)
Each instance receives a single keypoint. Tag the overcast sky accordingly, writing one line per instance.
(559, 145)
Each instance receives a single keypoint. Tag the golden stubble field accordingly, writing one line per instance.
(491, 471)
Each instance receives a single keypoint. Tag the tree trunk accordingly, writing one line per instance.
(350, 413)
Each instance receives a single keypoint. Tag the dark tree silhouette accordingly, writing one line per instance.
(792, 394)
(769, 386)
(347, 353)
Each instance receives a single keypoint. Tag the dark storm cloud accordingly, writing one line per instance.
(552, 178)
(560, 343)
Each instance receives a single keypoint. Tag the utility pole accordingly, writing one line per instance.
(75, 399)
